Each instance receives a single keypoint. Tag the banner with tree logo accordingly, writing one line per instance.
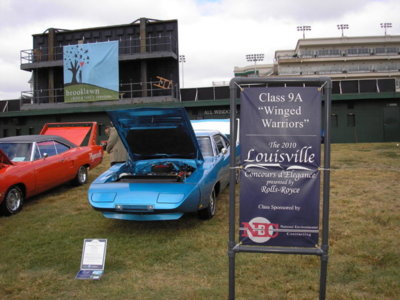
(91, 72)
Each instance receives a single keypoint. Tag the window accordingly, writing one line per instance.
(358, 51)
(226, 141)
(352, 51)
(47, 148)
(392, 50)
(307, 53)
(51, 148)
(219, 142)
(60, 147)
(364, 51)
(205, 145)
(323, 52)
(17, 151)
(328, 52)
(380, 50)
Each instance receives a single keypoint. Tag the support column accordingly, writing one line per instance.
(50, 52)
(143, 64)
(51, 86)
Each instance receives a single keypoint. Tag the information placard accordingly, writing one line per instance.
(93, 259)
(280, 138)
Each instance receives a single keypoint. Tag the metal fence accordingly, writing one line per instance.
(126, 91)
(126, 47)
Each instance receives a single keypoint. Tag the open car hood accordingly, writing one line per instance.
(151, 133)
(4, 159)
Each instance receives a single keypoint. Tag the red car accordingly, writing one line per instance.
(32, 164)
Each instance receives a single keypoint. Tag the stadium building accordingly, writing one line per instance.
(365, 73)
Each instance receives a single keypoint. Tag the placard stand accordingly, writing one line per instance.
(93, 259)
(322, 250)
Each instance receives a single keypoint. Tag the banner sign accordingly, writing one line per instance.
(91, 72)
(280, 138)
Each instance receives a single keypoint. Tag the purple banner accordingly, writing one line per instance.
(280, 138)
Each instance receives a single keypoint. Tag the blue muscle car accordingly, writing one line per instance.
(171, 169)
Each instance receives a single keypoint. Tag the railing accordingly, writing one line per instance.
(10, 105)
(325, 53)
(340, 68)
(4, 105)
(146, 89)
(206, 93)
(153, 45)
(126, 91)
(42, 96)
(126, 47)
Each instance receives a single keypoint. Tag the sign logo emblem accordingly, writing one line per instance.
(259, 230)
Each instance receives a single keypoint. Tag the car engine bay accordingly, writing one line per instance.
(161, 171)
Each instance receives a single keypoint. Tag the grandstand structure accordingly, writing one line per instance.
(365, 73)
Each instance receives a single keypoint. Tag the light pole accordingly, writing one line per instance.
(182, 60)
(304, 28)
(342, 27)
(386, 25)
(255, 58)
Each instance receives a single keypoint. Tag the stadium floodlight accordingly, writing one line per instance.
(304, 28)
(386, 26)
(182, 60)
(255, 57)
(342, 27)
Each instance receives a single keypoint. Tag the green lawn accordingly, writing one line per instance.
(41, 247)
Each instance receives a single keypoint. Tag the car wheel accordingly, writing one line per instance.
(209, 212)
(81, 176)
(13, 201)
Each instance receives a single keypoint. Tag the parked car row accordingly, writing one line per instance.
(171, 170)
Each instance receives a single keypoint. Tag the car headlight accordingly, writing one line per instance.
(170, 198)
(103, 197)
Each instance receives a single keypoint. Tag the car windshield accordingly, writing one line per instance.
(205, 145)
(17, 151)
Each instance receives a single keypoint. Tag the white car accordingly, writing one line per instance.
(222, 125)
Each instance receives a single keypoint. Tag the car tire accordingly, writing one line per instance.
(81, 176)
(209, 212)
(13, 201)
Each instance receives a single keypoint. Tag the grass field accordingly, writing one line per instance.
(40, 248)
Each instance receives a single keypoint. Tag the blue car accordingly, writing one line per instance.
(171, 170)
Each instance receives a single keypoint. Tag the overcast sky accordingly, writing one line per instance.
(214, 35)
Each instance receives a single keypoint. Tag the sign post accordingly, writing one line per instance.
(280, 140)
